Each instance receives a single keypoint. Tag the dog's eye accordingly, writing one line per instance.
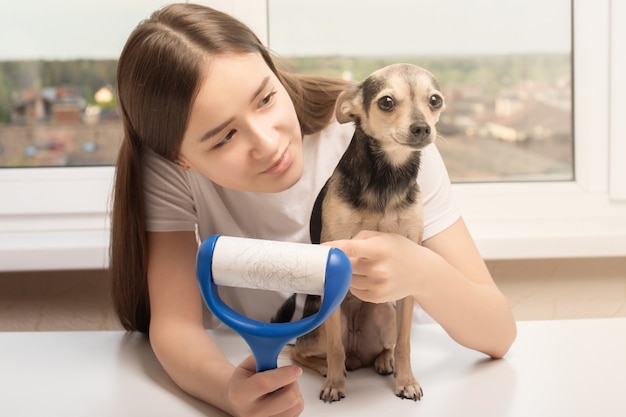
(386, 103)
(436, 101)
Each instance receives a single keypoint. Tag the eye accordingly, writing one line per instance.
(435, 101)
(225, 139)
(386, 103)
(267, 99)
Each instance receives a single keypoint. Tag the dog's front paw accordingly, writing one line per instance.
(331, 393)
(384, 362)
(410, 391)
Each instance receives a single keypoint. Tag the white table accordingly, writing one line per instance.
(555, 368)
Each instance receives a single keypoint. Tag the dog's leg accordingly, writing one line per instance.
(384, 321)
(334, 386)
(384, 362)
(316, 363)
(406, 384)
(310, 349)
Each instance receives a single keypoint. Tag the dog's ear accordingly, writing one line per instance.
(348, 106)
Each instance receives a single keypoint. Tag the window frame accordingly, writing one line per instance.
(57, 218)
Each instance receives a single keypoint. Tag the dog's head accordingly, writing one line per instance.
(398, 105)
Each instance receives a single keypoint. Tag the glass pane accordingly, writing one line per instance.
(504, 67)
(57, 77)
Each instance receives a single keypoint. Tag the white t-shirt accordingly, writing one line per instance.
(178, 200)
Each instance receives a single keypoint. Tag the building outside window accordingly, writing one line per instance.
(504, 68)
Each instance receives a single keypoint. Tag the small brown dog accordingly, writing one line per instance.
(373, 187)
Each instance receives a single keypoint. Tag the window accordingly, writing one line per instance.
(503, 66)
(57, 108)
(57, 101)
(57, 85)
(56, 218)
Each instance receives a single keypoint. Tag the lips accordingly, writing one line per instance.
(281, 164)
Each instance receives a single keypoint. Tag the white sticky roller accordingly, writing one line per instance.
(270, 265)
(277, 266)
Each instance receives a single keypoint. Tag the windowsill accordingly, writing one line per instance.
(508, 221)
(520, 221)
(54, 250)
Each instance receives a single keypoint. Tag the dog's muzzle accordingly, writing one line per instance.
(420, 134)
(420, 130)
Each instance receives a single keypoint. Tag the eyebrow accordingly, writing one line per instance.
(209, 134)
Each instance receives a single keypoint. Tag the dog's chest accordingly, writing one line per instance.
(368, 191)
(343, 221)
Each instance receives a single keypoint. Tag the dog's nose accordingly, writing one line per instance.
(420, 130)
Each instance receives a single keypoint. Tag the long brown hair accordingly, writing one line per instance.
(158, 75)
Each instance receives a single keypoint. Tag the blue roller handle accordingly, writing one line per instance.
(267, 339)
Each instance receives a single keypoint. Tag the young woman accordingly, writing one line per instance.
(217, 139)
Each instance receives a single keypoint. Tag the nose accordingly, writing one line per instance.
(264, 140)
(420, 130)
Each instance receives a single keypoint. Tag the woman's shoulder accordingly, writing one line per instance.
(440, 207)
(162, 175)
(432, 165)
(152, 161)
(332, 139)
(334, 130)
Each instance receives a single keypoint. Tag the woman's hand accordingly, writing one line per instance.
(446, 276)
(270, 393)
(383, 265)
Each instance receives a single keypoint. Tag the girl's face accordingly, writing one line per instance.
(243, 131)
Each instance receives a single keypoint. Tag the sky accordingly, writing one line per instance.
(61, 29)
(64, 29)
(419, 26)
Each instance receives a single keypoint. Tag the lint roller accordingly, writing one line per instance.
(275, 266)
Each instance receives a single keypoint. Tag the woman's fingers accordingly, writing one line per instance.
(263, 383)
(381, 264)
(268, 393)
(286, 401)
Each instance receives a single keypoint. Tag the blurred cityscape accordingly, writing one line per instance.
(58, 113)
(56, 127)
(506, 117)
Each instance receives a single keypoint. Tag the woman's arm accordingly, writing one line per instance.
(446, 276)
(460, 293)
(187, 352)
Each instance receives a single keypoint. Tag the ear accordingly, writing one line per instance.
(349, 104)
(183, 164)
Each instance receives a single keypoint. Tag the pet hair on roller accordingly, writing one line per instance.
(277, 266)
(270, 265)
